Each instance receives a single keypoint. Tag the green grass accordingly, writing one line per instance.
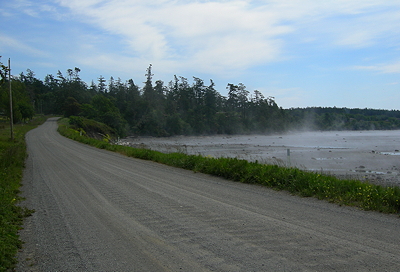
(12, 161)
(348, 192)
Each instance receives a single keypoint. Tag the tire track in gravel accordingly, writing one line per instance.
(99, 211)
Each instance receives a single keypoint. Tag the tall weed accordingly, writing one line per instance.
(12, 159)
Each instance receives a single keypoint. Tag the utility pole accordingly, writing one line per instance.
(11, 105)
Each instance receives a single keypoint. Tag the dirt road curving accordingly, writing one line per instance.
(99, 211)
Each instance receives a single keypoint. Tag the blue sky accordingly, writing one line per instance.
(343, 53)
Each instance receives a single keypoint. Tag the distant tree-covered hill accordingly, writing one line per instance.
(345, 119)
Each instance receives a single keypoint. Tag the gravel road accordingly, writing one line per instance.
(100, 211)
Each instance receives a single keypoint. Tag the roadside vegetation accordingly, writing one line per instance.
(12, 162)
(298, 182)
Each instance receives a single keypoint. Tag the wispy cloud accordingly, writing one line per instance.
(186, 31)
(224, 36)
(11, 44)
(201, 34)
(386, 68)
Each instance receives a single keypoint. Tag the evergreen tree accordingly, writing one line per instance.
(101, 86)
(3, 73)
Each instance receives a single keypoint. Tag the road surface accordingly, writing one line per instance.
(100, 211)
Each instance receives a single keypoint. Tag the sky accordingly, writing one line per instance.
(304, 53)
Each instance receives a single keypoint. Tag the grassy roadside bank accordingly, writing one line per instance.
(307, 184)
(12, 162)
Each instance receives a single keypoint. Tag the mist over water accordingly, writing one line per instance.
(366, 155)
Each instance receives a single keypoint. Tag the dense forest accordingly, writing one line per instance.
(180, 107)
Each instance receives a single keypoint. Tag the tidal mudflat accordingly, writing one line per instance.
(365, 155)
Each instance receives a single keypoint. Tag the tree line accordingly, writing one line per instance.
(22, 103)
(180, 107)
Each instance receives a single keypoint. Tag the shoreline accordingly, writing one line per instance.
(364, 155)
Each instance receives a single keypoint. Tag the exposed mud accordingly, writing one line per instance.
(364, 155)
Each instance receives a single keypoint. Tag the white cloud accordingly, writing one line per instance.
(12, 44)
(388, 68)
(222, 36)
(225, 36)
